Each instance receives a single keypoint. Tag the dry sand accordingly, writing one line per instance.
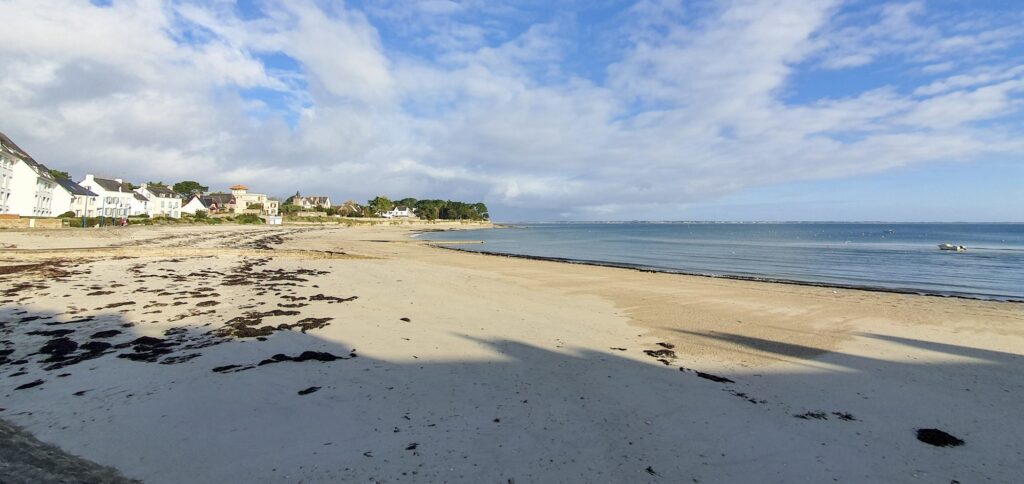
(431, 365)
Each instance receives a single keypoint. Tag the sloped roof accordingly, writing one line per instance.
(220, 199)
(160, 191)
(140, 197)
(110, 185)
(74, 188)
(22, 155)
(198, 199)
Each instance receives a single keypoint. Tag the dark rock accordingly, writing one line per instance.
(938, 438)
(308, 390)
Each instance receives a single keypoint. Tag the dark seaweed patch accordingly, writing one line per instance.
(30, 384)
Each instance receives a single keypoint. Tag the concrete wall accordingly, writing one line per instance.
(30, 223)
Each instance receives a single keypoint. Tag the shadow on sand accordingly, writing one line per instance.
(524, 414)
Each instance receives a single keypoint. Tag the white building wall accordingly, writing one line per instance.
(84, 205)
(30, 195)
(140, 207)
(109, 204)
(192, 206)
(6, 175)
(161, 206)
(62, 200)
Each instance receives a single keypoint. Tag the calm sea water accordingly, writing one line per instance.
(902, 257)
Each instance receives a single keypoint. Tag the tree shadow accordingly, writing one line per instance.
(522, 413)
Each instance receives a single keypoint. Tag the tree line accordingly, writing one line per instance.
(433, 209)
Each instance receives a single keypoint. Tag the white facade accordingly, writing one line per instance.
(31, 191)
(6, 178)
(399, 212)
(140, 204)
(194, 205)
(313, 202)
(162, 201)
(26, 187)
(68, 196)
(113, 199)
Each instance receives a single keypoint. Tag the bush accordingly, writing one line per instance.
(248, 218)
(200, 214)
(67, 214)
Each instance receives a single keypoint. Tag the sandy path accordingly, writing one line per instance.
(447, 366)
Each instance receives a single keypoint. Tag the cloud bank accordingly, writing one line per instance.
(590, 110)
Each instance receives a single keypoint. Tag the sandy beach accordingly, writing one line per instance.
(329, 353)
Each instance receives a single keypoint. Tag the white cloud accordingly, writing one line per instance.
(693, 106)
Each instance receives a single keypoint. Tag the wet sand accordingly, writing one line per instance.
(305, 353)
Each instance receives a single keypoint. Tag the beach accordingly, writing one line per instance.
(317, 353)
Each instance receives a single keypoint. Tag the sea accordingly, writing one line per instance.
(900, 257)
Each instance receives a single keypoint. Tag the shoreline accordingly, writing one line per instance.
(769, 280)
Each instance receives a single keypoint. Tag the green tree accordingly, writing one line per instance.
(289, 208)
(187, 188)
(156, 184)
(380, 204)
(60, 175)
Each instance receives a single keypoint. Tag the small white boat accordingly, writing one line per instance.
(957, 248)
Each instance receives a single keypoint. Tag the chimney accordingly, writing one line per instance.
(88, 178)
(119, 180)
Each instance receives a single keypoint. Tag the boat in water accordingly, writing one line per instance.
(957, 248)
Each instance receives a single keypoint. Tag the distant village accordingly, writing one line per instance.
(28, 189)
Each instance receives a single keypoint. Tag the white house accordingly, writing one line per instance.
(313, 202)
(69, 196)
(193, 205)
(29, 186)
(163, 202)
(114, 197)
(399, 212)
(139, 205)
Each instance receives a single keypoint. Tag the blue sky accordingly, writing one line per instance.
(573, 110)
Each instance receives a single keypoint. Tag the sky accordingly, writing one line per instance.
(545, 110)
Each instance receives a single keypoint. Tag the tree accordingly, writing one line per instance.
(156, 184)
(380, 205)
(186, 189)
(288, 208)
(60, 175)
